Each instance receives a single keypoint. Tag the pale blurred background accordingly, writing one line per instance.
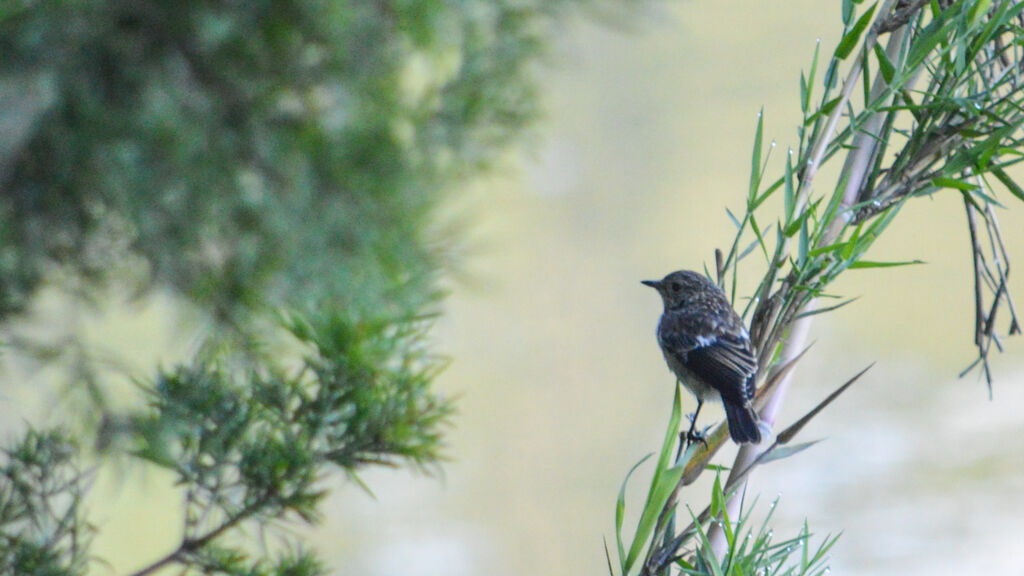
(562, 388)
(647, 140)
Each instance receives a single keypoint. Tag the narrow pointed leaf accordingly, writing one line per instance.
(662, 485)
(734, 220)
(837, 247)
(760, 239)
(805, 93)
(786, 435)
(872, 264)
(780, 452)
(953, 183)
(826, 309)
(620, 508)
(755, 159)
(671, 433)
(789, 190)
(885, 67)
(976, 12)
(717, 497)
(810, 76)
(764, 195)
(825, 110)
(659, 496)
(852, 37)
(1012, 186)
(746, 251)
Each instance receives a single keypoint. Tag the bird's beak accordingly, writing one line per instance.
(656, 284)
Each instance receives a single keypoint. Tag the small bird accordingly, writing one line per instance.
(707, 347)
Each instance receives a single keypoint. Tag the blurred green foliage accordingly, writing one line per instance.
(276, 165)
(249, 154)
(42, 526)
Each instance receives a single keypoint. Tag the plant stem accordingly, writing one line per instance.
(855, 171)
(189, 545)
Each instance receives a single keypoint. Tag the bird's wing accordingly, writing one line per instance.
(727, 364)
(720, 357)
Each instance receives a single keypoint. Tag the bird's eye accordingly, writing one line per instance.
(676, 286)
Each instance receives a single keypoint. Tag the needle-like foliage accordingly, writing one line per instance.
(271, 168)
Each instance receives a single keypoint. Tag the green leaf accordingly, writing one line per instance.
(847, 12)
(832, 210)
(824, 310)
(671, 433)
(755, 159)
(852, 37)
(764, 195)
(746, 251)
(926, 41)
(943, 182)
(793, 429)
(977, 11)
(837, 247)
(781, 452)
(717, 497)
(885, 67)
(805, 242)
(804, 93)
(1012, 186)
(789, 190)
(705, 550)
(805, 549)
(865, 76)
(660, 491)
(970, 196)
(806, 102)
(662, 485)
(826, 545)
(831, 75)
(620, 509)
(760, 239)
(734, 220)
(797, 224)
(608, 557)
(723, 512)
(872, 264)
(825, 110)
(851, 244)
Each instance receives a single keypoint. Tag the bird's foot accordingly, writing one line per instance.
(690, 436)
(695, 436)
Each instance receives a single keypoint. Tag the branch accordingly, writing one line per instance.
(191, 545)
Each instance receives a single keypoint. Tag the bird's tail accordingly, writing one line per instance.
(743, 423)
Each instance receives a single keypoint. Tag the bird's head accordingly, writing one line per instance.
(680, 287)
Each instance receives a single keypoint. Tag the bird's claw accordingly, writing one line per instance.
(695, 436)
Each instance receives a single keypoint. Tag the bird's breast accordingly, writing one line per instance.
(695, 385)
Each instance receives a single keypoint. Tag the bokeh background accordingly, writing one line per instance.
(646, 140)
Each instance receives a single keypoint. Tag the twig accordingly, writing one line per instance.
(190, 545)
(972, 227)
(985, 321)
(996, 239)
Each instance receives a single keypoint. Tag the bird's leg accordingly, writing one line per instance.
(691, 435)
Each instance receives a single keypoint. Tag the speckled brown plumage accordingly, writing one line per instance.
(708, 348)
